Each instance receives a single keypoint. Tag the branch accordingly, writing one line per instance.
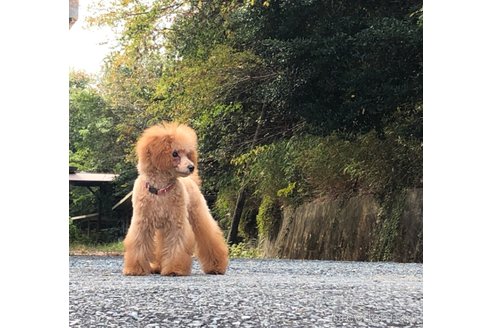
(161, 9)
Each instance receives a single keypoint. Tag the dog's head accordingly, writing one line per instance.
(168, 148)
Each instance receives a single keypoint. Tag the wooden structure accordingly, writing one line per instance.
(123, 211)
(104, 196)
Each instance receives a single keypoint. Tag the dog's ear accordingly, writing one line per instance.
(159, 151)
(153, 151)
(158, 145)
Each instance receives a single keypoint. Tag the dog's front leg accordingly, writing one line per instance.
(212, 250)
(176, 244)
(139, 247)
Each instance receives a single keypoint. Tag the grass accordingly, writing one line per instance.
(239, 251)
(115, 248)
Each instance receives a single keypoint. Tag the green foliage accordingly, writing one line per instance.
(80, 238)
(388, 220)
(248, 226)
(75, 236)
(340, 65)
(268, 218)
(87, 248)
(210, 85)
(243, 250)
(291, 99)
(271, 170)
(90, 126)
(81, 201)
(309, 166)
(94, 141)
(333, 166)
(223, 207)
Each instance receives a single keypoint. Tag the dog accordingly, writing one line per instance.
(171, 220)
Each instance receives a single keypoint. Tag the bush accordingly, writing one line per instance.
(75, 235)
(243, 250)
(307, 167)
(290, 172)
(268, 218)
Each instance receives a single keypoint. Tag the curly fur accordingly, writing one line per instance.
(167, 229)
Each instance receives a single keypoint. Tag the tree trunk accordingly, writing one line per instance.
(236, 218)
(241, 197)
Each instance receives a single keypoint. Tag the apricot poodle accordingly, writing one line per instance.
(171, 220)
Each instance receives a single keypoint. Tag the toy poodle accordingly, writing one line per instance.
(171, 220)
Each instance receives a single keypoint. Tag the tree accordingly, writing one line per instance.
(93, 141)
(266, 79)
(91, 137)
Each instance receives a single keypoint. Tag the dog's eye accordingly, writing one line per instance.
(175, 154)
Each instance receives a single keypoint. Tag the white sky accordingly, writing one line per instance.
(88, 46)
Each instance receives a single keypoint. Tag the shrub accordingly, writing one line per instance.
(75, 235)
(268, 218)
(243, 250)
(300, 169)
(293, 171)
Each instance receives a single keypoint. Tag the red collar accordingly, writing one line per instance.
(161, 191)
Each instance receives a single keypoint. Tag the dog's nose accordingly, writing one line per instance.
(191, 168)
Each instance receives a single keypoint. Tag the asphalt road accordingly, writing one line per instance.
(253, 293)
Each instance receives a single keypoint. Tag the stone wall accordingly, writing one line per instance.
(359, 228)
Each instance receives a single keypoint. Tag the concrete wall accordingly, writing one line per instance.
(359, 228)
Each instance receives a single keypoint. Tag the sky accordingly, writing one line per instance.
(88, 46)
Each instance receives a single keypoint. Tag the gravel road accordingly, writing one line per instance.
(253, 293)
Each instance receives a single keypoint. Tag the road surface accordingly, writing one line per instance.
(253, 293)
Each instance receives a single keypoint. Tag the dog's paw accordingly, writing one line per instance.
(215, 267)
(135, 271)
(214, 271)
(174, 274)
